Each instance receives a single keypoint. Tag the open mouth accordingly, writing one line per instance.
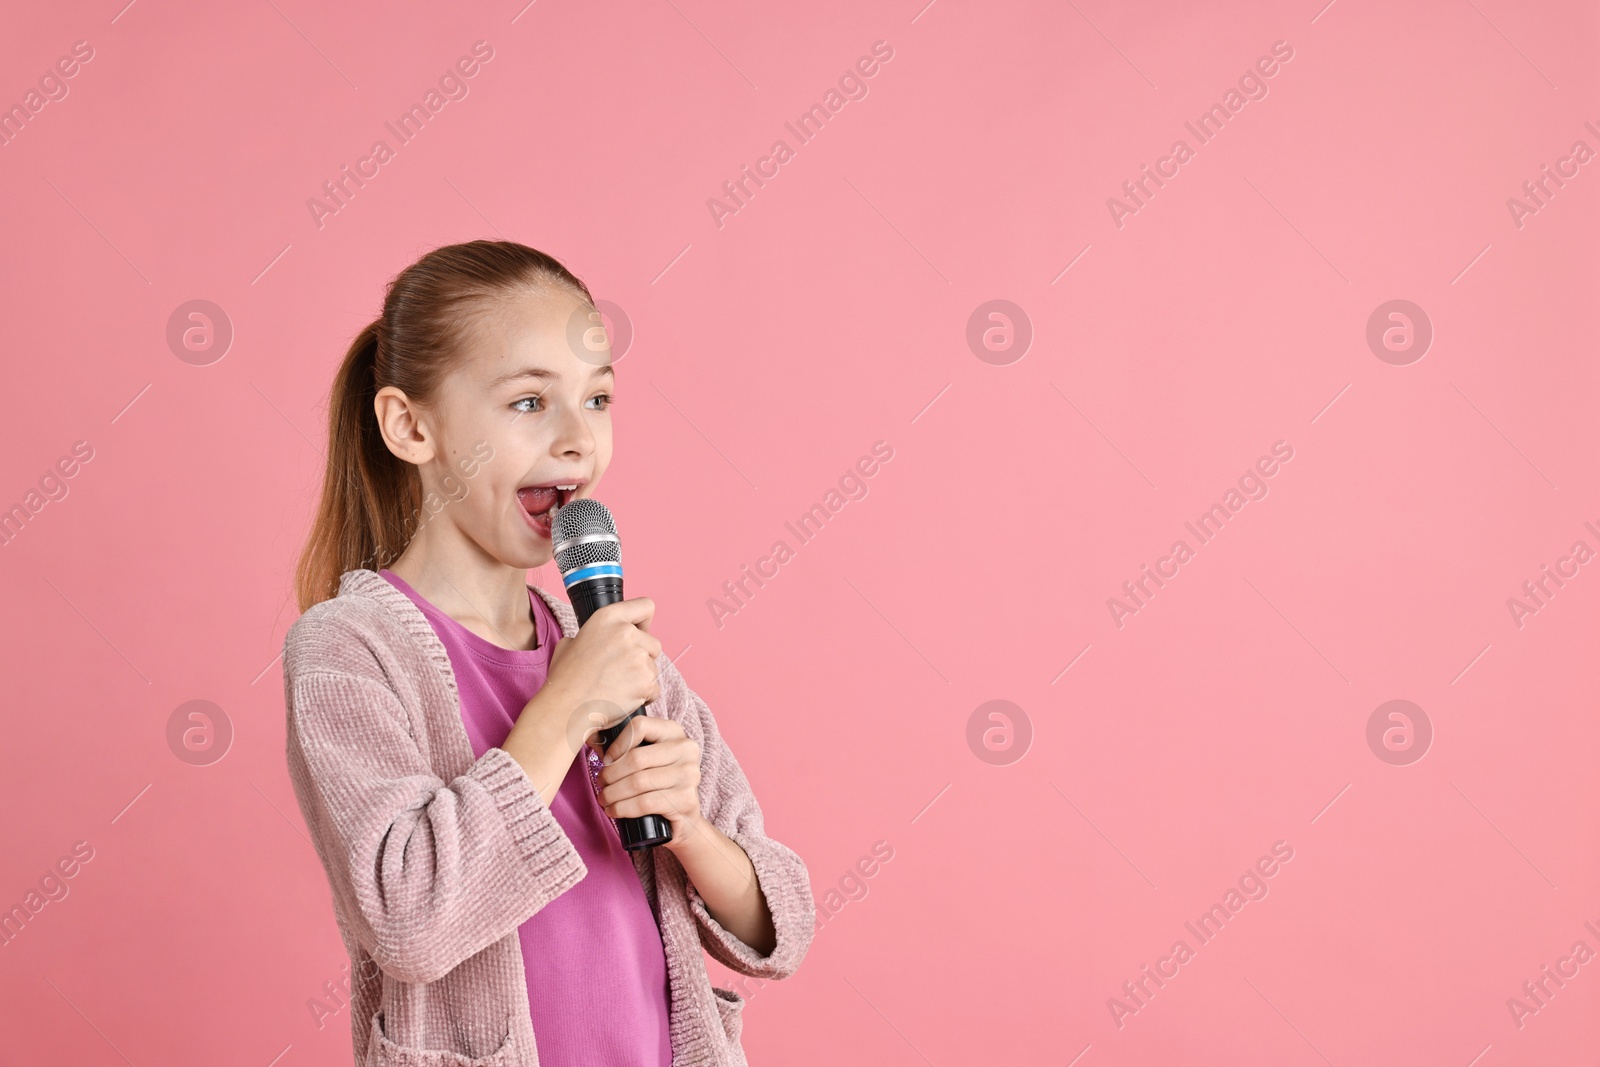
(540, 502)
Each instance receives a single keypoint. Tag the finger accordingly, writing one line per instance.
(643, 757)
(648, 780)
(627, 741)
(635, 612)
(631, 738)
(642, 728)
(665, 780)
(656, 802)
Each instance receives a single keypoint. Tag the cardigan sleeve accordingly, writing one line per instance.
(429, 872)
(729, 804)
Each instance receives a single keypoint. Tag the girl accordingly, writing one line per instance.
(441, 712)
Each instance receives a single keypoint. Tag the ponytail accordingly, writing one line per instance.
(366, 488)
(371, 498)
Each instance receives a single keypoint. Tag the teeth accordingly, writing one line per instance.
(574, 486)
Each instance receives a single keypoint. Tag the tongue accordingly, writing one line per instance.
(537, 501)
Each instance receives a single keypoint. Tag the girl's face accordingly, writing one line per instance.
(526, 411)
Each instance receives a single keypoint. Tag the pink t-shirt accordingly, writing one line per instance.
(596, 969)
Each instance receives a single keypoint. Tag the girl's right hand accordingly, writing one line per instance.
(609, 669)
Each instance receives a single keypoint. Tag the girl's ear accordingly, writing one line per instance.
(400, 423)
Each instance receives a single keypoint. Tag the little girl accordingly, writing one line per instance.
(442, 712)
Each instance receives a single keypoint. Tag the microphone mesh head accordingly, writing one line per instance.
(579, 519)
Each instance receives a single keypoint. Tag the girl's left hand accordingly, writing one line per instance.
(661, 778)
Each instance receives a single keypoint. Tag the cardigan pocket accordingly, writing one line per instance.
(381, 1052)
(730, 1007)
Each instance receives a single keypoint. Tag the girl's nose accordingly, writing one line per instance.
(572, 432)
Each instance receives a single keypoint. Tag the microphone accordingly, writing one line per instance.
(589, 555)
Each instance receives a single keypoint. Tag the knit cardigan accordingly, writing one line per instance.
(435, 857)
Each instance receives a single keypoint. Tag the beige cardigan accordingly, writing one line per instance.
(435, 858)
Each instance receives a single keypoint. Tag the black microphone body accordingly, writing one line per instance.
(590, 589)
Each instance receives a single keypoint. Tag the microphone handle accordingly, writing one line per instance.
(645, 831)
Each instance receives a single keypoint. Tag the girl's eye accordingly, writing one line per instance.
(605, 400)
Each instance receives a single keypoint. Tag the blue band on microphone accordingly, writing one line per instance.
(593, 570)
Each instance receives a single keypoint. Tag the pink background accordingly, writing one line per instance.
(831, 312)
